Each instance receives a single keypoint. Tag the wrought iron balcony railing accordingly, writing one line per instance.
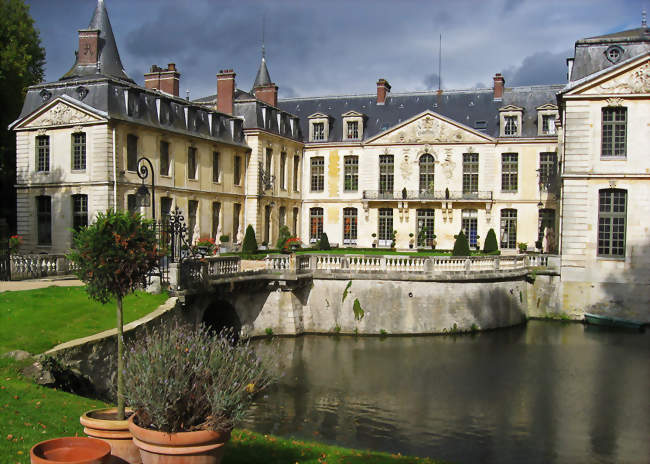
(435, 195)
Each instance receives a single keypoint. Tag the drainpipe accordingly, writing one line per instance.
(114, 174)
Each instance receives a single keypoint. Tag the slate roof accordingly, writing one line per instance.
(475, 108)
(590, 56)
(109, 64)
(263, 78)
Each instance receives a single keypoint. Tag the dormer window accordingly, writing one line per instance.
(546, 116)
(318, 127)
(352, 125)
(511, 118)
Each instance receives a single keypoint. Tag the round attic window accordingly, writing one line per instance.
(614, 53)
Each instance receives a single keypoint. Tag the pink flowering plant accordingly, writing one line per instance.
(292, 243)
(15, 242)
(205, 245)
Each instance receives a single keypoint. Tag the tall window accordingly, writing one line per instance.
(282, 216)
(283, 169)
(44, 219)
(511, 125)
(79, 211)
(43, 153)
(237, 170)
(216, 171)
(164, 158)
(612, 206)
(79, 151)
(269, 161)
(469, 224)
(316, 224)
(165, 209)
(508, 228)
(427, 168)
(317, 174)
(236, 212)
(131, 152)
(353, 130)
(216, 213)
(191, 163)
(296, 173)
(546, 222)
(548, 124)
(351, 173)
(132, 203)
(267, 224)
(349, 226)
(470, 174)
(385, 226)
(319, 131)
(509, 162)
(386, 176)
(614, 131)
(425, 224)
(295, 221)
(547, 170)
(192, 208)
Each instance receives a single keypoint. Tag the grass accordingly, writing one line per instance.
(37, 320)
(30, 413)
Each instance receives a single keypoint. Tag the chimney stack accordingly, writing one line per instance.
(225, 90)
(267, 93)
(88, 53)
(165, 80)
(383, 87)
(499, 84)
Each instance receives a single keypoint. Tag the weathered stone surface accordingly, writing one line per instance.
(39, 374)
(18, 355)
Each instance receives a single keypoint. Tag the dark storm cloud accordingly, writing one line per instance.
(431, 81)
(538, 68)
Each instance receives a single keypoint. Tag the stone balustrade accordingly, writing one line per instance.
(38, 266)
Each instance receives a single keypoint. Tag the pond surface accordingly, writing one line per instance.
(547, 392)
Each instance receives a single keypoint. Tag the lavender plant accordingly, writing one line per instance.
(188, 379)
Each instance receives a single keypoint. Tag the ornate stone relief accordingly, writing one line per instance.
(638, 81)
(406, 168)
(60, 115)
(448, 165)
(45, 94)
(614, 101)
(430, 130)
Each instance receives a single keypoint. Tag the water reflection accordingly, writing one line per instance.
(547, 393)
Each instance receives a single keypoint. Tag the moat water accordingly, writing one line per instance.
(547, 392)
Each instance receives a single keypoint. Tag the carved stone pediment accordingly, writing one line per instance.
(632, 82)
(61, 114)
(429, 129)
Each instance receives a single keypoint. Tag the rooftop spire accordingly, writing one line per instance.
(263, 78)
(644, 20)
(108, 58)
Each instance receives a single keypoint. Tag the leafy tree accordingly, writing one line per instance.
(490, 245)
(113, 257)
(21, 64)
(461, 245)
(283, 236)
(250, 242)
(324, 243)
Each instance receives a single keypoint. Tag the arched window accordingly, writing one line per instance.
(427, 168)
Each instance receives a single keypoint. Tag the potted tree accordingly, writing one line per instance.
(223, 247)
(113, 257)
(189, 388)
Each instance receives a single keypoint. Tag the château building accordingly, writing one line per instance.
(560, 168)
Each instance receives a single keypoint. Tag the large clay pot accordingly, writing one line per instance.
(103, 424)
(201, 447)
(71, 450)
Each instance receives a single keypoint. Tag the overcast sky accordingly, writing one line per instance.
(317, 48)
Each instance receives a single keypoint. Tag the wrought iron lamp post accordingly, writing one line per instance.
(142, 194)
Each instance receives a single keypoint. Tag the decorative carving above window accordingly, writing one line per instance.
(614, 53)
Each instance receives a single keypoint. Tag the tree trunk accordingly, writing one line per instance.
(120, 361)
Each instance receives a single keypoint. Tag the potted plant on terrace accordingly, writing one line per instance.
(113, 257)
(205, 246)
(223, 247)
(374, 240)
(189, 388)
(15, 242)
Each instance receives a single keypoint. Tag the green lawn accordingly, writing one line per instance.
(37, 320)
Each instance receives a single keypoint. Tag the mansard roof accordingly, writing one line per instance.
(109, 63)
(474, 108)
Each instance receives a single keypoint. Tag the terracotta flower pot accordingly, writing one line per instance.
(102, 424)
(200, 447)
(71, 450)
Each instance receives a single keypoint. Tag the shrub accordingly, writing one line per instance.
(187, 379)
(490, 245)
(522, 246)
(324, 243)
(283, 235)
(113, 257)
(292, 242)
(224, 238)
(250, 242)
(461, 245)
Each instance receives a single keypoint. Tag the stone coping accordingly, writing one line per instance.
(162, 309)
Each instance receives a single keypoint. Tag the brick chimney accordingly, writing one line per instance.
(225, 90)
(88, 53)
(499, 83)
(383, 87)
(267, 93)
(165, 80)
